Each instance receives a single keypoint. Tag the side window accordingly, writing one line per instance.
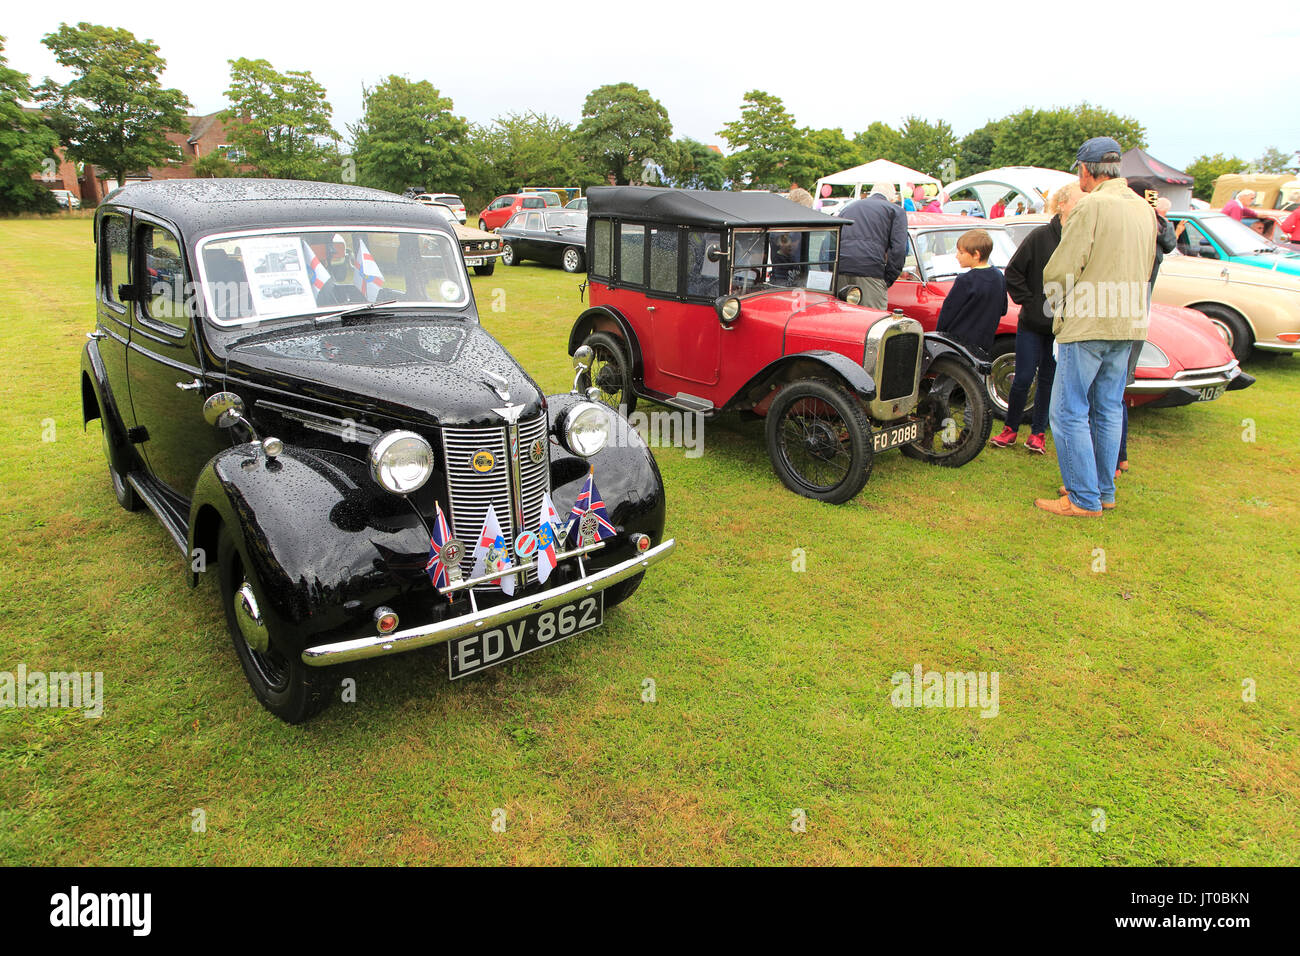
(909, 263)
(516, 221)
(701, 273)
(601, 243)
(160, 252)
(534, 222)
(114, 240)
(663, 259)
(1192, 240)
(499, 203)
(631, 255)
(534, 202)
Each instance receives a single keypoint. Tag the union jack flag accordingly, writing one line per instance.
(589, 503)
(438, 564)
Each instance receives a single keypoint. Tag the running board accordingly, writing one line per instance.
(177, 525)
(690, 403)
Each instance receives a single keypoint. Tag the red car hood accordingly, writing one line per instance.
(816, 320)
(1188, 338)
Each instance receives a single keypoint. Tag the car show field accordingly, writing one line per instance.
(1146, 704)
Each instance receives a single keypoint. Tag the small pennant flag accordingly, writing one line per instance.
(588, 521)
(368, 278)
(320, 276)
(440, 561)
(548, 531)
(491, 552)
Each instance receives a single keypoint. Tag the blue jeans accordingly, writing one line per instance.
(1033, 357)
(1087, 417)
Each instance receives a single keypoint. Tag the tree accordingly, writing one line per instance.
(693, 165)
(1276, 161)
(975, 152)
(114, 112)
(408, 136)
(879, 141)
(281, 121)
(764, 141)
(1206, 169)
(1051, 138)
(622, 128)
(823, 151)
(214, 166)
(524, 149)
(930, 148)
(26, 145)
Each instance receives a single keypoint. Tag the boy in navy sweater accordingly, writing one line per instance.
(978, 300)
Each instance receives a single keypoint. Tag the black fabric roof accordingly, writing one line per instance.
(702, 207)
(1138, 162)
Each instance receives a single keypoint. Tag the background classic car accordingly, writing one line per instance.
(308, 444)
(1212, 235)
(711, 302)
(480, 249)
(552, 236)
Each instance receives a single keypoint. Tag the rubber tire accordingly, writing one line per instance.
(610, 345)
(974, 387)
(573, 257)
(854, 416)
(508, 254)
(618, 593)
(1243, 339)
(308, 689)
(1006, 345)
(122, 490)
(482, 224)
(485, 270)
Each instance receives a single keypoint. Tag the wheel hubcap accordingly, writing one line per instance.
(249, 619)
(1000, 380)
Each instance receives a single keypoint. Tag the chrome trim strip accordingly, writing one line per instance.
(1278, 346)
(340, 428)
(515, 569)
(1167, 384)
(376, 646)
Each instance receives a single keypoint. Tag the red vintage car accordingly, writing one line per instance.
(1185, 359)
(711, 302)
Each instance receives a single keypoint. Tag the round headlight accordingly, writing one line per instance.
(730, 309)
(586, 428)
(401, 461)
(854, 295)
(1152, 357)
(450, 291)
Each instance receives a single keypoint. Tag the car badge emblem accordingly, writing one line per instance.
(537, 452)
(451, 552)
(589, 528)
(525, 544)
(483, 461)
(499, 384)
(510, 413)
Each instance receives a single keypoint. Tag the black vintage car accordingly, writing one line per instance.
(337, 450)
(553, 236)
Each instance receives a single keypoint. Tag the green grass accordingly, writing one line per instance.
(1119, 690)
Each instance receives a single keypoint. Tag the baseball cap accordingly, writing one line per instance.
(1094, 150)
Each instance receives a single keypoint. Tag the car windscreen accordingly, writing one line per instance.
(1237, 239)
(270, 275)
(783, 259)
(937, 251)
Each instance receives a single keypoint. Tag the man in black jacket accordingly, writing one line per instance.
(1024, 274)
(873, 246)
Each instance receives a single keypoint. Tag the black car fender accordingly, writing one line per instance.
(601, 316)
(625, 473)
(327, 544)
(816, 363)
(938, 345)
(97, 401)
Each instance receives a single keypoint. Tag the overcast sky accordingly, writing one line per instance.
(840, 64)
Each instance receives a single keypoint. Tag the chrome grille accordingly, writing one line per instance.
(471, 492)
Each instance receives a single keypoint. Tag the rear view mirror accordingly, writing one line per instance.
(712, 252)
(223, 409)
(1207, 251)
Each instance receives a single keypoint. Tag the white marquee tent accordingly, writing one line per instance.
(871, 174)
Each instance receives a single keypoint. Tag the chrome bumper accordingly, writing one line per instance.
(1278, 346)
(1197, 378)
(417, 637)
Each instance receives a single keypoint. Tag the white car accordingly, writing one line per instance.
(65, 199)
(450, 200)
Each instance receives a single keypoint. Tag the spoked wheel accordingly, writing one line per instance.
(285, 685)
(122, 490)
(998, 381)
(611, 371)
(572, 260)
(955, 415)
(508, 254)
(819, 440)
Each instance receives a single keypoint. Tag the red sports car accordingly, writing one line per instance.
(1185, 359)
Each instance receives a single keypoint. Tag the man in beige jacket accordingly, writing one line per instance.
(1097, 280)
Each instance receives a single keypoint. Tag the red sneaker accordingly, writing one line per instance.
(1036, 444)
(1006, 439)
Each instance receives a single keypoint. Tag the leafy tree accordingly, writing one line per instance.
(765, 142)
(1276, 161)
(1051, 138)
(281, 121)
(215, 166)
(114, 112)
(408, 136)
(524, 149)
(693, 165)
(930, 148)
(622, 127)
(26, 143)
(879, 141)
(975, 151)
(823, 151)
(1206, 169)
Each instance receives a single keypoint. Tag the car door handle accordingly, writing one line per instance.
(193, 386)
(650, 308)
(96, 335)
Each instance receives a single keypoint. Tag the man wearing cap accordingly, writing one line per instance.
(1097, 280)
(873, 246)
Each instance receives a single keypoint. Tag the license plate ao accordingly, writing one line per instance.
(895, 435)
(475, 262)
(1210, 392)
(475, 652)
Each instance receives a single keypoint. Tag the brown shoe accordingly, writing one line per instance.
(1105, 505)
(1064, 507)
